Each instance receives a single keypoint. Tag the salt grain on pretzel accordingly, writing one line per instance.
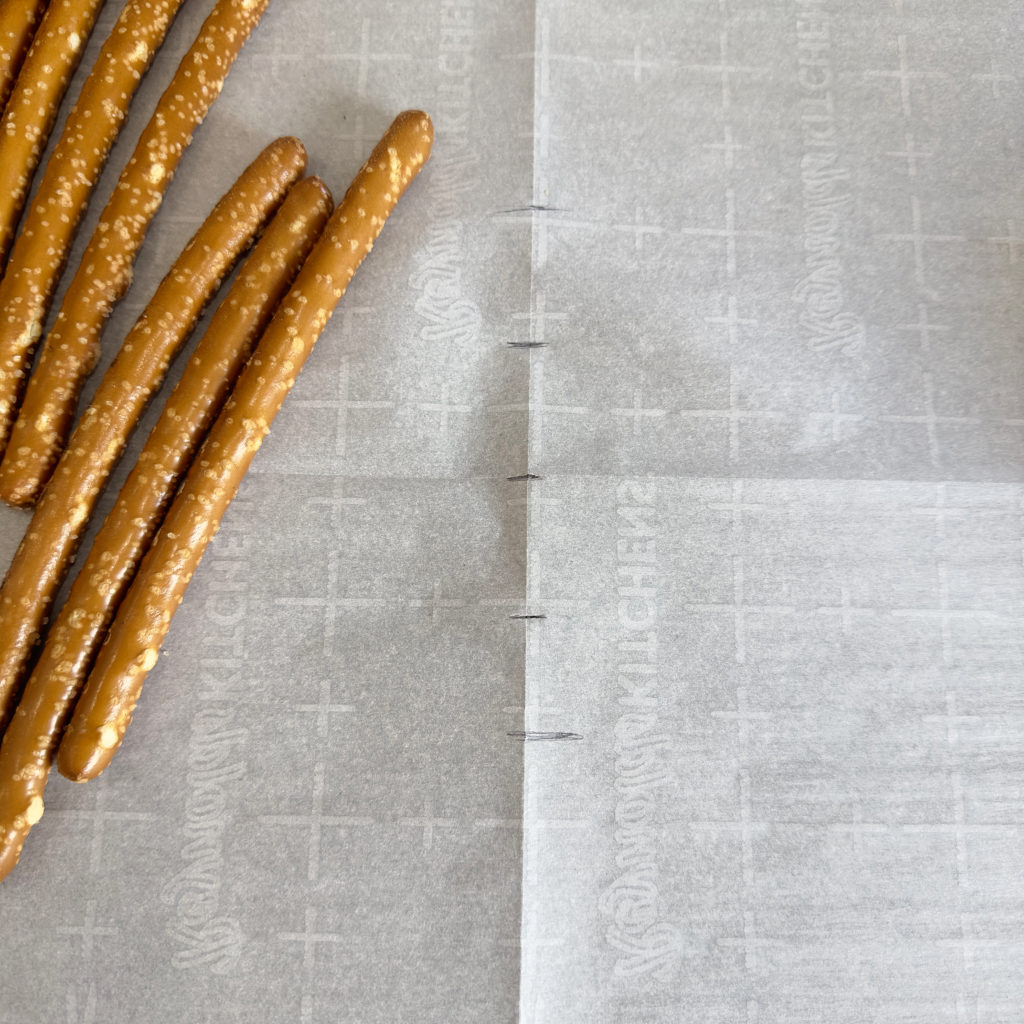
(131, 649)
(18, 20)
(58, 520)
(30, 742)
(48, 230)
(34, 101)
(72, 348)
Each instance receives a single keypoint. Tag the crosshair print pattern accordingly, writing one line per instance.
(843, 209)
(799, 821)
(830, 677)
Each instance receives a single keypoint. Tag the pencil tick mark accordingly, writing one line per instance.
(532, 736)
(534, 208)
(524, 476)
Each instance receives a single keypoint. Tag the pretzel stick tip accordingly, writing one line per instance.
(30, 743)
(49, 544)
(131, 650)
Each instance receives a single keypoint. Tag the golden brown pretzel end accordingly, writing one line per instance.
(84, 757)
(13, 833)
(411, 117)
(86, 751)
(290, 143)
(415, 127)
(76, 769)
(11, 842)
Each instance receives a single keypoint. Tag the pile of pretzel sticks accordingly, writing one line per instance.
(69, 682)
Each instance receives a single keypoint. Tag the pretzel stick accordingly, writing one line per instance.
(18, 19)
(144, 616)
(46, 550)
(30, 743)
(72, 348)
(34, 101)
(48, 230)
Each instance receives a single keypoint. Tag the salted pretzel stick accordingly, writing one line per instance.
(30, 743)
(48, 230)
(72, 348)
(18, 20)
(46, 550)
(34, 101)
(141, 623)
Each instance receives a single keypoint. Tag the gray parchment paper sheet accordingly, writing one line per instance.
(739, 282)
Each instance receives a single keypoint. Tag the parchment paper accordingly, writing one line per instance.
(714, 712)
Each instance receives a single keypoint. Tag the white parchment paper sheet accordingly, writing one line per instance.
(738, 282)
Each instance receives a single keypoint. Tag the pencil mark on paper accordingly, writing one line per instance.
(533, 208)
(532, 735)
